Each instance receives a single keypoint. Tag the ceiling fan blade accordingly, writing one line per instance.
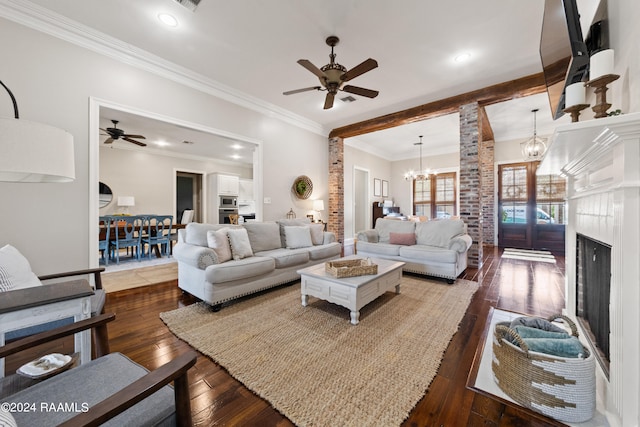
(362, 68)
(291, 92)
(141, 144)
(108, 141)
(361, 91)
(309, 66)
(133, 136)
(328, 101)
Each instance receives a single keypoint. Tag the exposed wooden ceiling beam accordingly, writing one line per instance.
(525, 86)
(487, 130)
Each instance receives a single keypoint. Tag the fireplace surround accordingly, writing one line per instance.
(601, 160)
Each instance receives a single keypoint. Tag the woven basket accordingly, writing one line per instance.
(350, 268)
(302, 187)
(559, 387)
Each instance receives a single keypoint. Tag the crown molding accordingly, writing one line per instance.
(46, 21)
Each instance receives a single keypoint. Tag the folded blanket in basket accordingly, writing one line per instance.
(536, 322)
(528, 332)
(564, 347)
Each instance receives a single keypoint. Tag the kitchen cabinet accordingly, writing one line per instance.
(246, 190)
(225, 185)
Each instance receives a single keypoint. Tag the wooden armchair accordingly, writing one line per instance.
(110, 386)
(97, 300)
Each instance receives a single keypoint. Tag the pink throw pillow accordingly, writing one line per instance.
(406, 239)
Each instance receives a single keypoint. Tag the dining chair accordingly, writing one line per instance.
(104, 232)
(157, 233)
(233, 218)
(127, 230)
(187, 216)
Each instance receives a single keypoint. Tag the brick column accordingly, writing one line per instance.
(471, 181)
(335, 222)
(487, 160)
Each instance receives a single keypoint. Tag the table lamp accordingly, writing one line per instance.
(318, 206)
(125, 202)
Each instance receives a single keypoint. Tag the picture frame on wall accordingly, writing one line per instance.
(377, 187)
(385, 188)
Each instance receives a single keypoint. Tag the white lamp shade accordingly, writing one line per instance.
(126, 201)
(35, 152)
(318, 205)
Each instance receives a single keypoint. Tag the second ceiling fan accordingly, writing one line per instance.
(116, 133)
(333, 76)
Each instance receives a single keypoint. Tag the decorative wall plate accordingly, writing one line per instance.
(302, 187)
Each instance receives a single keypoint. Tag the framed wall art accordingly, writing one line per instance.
(377, 187)
(385, 188)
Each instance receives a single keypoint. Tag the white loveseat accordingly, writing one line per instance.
(435, 248)
(277, 250)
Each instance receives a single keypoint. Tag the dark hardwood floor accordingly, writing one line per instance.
(219, 400)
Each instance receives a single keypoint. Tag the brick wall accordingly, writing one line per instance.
(335, 222)
(487, 160)
(470, 181)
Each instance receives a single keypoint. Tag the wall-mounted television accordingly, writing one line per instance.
(564, 55)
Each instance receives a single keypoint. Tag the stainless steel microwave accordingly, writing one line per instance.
(228, 202)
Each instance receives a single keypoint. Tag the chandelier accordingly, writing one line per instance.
(421, 174)
(535, 147)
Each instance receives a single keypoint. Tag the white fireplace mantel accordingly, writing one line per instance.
(601, 160)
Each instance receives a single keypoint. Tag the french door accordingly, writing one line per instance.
(531, 208)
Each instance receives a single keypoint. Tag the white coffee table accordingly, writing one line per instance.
(350, 292)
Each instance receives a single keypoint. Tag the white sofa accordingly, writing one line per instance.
(435, 248)
(278, 250)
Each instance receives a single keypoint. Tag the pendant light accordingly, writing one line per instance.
(535, 147)
(421, 174)
(34, 152)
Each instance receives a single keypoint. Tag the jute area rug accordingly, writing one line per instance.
(315, 367)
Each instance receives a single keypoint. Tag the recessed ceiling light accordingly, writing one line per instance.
(161, 143)
(236, 147)
(168, 20)
(462, 57)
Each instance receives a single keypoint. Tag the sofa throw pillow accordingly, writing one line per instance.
(297, 236)
(6, 284)
(219, 242)
(289, 222)
(438, 233)
(240, 245)
(317, 233)
(407, 239)
(263, 236)
(17, 268)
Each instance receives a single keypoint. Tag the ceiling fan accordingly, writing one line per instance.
(333, 76)
(115, 133)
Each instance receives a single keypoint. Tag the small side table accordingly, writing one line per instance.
(38, 305)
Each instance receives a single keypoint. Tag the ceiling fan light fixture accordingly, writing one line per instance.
(333, 76)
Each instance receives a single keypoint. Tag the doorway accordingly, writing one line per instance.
(531, 208)
(189, 195)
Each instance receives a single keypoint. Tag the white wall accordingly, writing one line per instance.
(53, 81)
(378, 168)
(150, 178)
(624, 32)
